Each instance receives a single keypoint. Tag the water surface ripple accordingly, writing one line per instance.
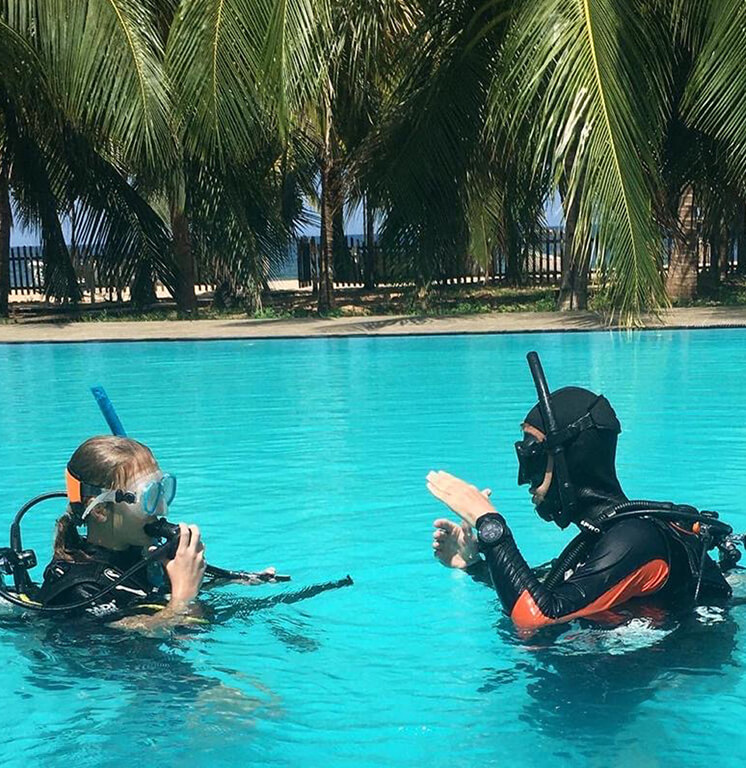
(310, 455)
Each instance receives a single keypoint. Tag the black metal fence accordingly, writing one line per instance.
(27, 273)
(26, 268)
(539, 262)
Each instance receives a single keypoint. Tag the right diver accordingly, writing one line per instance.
(626, 550)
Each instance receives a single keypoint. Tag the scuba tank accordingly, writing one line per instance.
(698, 532)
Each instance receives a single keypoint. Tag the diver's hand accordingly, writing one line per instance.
(187, 569)
(455, 545)
(467, 501)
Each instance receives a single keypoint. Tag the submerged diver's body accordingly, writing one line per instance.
(68, 583)
(145, 593)
(634, 558)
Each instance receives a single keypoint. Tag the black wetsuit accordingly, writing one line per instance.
(66, 583)
(634, 558)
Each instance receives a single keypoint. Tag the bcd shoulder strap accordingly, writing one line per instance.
(61, 575)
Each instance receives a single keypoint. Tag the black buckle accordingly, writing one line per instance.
(571, 431)
(10, 560)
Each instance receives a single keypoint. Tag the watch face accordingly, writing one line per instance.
(491, 531)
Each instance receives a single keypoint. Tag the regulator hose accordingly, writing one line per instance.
(721, 534)
(568, 560)
(163, 529)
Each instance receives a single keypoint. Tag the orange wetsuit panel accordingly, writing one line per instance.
(644, 581)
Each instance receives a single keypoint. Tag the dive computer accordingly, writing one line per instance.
(491, 530)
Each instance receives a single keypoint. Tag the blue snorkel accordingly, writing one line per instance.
(107, 409)
(162, 528)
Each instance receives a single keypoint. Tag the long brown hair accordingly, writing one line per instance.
(108, 462)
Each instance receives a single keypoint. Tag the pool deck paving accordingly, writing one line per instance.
(56, 331)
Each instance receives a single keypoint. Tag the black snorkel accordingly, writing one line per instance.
(554, 439)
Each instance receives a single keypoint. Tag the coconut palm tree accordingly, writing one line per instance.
(591, 78)
(182, 130)
(95, 109)
(635, 107)
(253, 69)
(20, 74)
(108, 142)
(706, 155)
(593, 98)
(448, 182)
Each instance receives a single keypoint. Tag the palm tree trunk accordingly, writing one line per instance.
(741, 242)
(573, 293)
(326, 285)
(718, 267)
(186, 300)
(723, 252)
(74, 255)
(60, 279)
(342, 264)
(313, 255)
(5, 224)
(514, 256)
(369, 267)
(143, 287)
(325, 245)
(681, 281)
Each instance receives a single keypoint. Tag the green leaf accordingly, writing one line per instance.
(716, 91)
(577, 90)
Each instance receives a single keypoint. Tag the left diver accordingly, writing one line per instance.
(116, 489)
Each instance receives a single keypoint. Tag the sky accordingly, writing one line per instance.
(354, 226)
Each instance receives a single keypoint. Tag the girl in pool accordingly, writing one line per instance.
(115, 487)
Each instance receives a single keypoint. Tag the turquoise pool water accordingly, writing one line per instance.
(311, 456)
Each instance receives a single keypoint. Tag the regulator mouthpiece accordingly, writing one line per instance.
(162, 529)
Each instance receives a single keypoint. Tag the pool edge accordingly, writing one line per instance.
(703, 318)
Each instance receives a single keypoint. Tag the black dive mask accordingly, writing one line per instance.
(532, 469)
(532, 460)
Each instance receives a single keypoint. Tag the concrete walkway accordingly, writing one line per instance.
(237, 328)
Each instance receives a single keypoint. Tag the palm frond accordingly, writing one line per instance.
(296, 55)
(33, 186)
(716, 92)
(690, 22)
(418, 161)
(240, 68)
(124, 232)
(104, 60)
(565, 75)
(23, 79)
(212, 57)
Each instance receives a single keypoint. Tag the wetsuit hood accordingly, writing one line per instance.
(590, 454)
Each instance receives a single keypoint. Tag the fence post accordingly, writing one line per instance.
(314, 254)
(90, 274)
